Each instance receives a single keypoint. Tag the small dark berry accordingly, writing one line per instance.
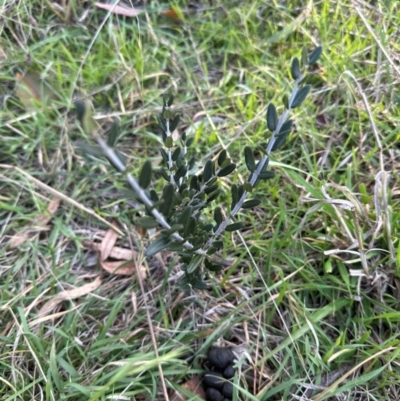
(220, 357)
(229, 372)
(227, 390)
(213, 395)
(213, 379)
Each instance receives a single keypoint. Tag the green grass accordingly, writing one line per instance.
(295, 294)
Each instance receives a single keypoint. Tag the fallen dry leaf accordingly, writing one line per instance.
(69, 295)
(120, 10)
(107, 244)
(127, 268)
(192, 385)
(37, 225)
(116, 252)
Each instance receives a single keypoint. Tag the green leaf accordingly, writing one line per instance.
(200, 284)
(194, 183)
(176, 153)
(176, 247)
(285, 101)
(208, 171)
(266, 175)
(218, 244)
(185, 215)
(190, 141)
(234, 195)
(312, 79)
(164, 154)
(210, 188)
(272, 117)
(190, 227)
(145, 175)
(315, 55)
(218, 217)
(286, 127)
(221, 157)
(211, 266)
(167, 200)
(194, 264)
(174, 123)
(300, 96)
(162, 122)
(113, 134)
(169, 142)
(279, 141)
(234, 227)
(295, 69)
(191, 163)
(249, 157)
(227, 170)
(213, 195)
(251, 203)
(158, 245)
(169, 101)
(247, 187)
(164, 174)
(182, 170)
(147, 222)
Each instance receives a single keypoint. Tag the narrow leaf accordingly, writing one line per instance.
(249, 157)
(285, 101)
(315, 55)
(279, 141)
(182, 170)
(272, 117)
(147, 222)
(300, 96)
(164, 174)
(174, 123)
(176, 153)
(190, 141)
(295, 70)
(194, 264)
(221, 157)
(218, 215)
(164, 154)
(158, 245)
(227, 170)
(251, 203)
(145, 175)
(286, 127)
(213, 196)
(167, 200)
(267, 175)
(208, 171)
(234, 227)
(185, 215)
(234, 195)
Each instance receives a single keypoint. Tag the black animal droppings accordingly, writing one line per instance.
(227, 390)
(213, 379)
(213, 395)
(220, 357)
(229, 372)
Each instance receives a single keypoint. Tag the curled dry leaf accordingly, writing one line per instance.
(127, 268)
(120, 10)
(107, 244)
(192, 385)
(68, 295)
(37, 225)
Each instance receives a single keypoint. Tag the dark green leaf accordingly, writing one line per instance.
(176, 153)
(225, 163)
(91, 150)
(300, 96)
(251, 203)
(174, 123)
(227, 170)
(113, 134)
(234, 227)
(190, 227)
(280, 140)
(185, 215)
(167, 200)
(211, 250)
(167, 114)
(200, 284)
(247, 187)
(221, 157)
(286, 127)
(145, 175)
(183, 188)
(315, 55)
(272, 117)
(190, 141)
(285, 101)
(161, 121)
(164, 174)
(191, 163)
(234, 195)
(211, 266)
(218, 217)
(180, 173)
(170, 101)
(183, 137)
(164, 154)
(213, 196)
(194, 264)
(194, 183)
(153, 196)
(210, 188)
(158, 245)
(174, 228)
(176, 247)
(266, 175)
(249, 157)
(296, 73)
(147, 222)
(208, 171)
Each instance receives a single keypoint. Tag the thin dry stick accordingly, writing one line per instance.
(60, 195)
